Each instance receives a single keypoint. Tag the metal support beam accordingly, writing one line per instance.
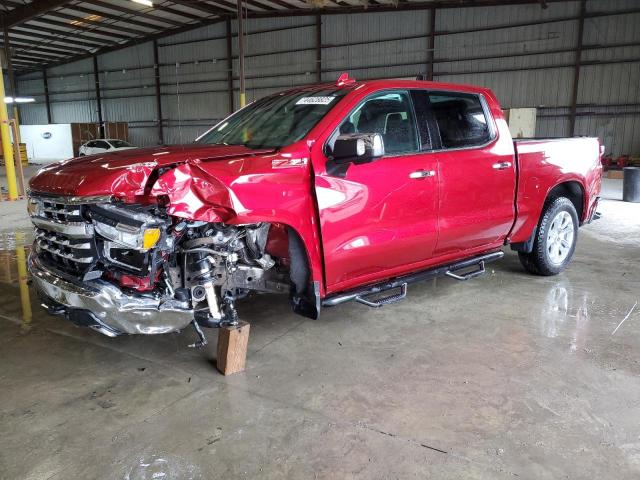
(24, 47)
(576, 68)
(241, 54)
(319, 48)
(97, 26)
(118, 18)
(131, 12)
(201, 7)
(96, 76)
(30, 11)
(77, 28)
(229, 65)
(47, 99)
(431, 45)
(156, 74)
(12, 77)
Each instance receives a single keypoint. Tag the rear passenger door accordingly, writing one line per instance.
(477, 174)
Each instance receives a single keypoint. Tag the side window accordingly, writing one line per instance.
(461, 119)
(90, 144)
(100, 144)
(389, 114)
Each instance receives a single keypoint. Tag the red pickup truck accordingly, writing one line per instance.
(329, 193)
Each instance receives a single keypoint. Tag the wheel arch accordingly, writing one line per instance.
(573, 190)
(305, 295)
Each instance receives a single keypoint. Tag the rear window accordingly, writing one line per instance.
(461, 119)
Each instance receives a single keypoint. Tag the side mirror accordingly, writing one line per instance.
(358, 147)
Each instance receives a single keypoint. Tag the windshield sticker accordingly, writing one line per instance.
(315, 101)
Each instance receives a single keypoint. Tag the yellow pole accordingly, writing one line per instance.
(7, 148)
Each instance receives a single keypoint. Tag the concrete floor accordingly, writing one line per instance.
(509, 375)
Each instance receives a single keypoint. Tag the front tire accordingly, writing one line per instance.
(555, 240)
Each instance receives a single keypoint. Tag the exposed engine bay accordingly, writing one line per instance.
(193, 267)
(216, 264)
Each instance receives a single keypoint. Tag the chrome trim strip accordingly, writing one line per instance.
(70, 229)
(69, 200)
(64, 242)
(56, 251)
(61, 211)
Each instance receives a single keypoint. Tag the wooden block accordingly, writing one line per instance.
(232, 348)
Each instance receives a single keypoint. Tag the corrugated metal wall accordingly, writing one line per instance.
(525, 53)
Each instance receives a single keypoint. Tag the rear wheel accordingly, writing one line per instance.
(555, 239)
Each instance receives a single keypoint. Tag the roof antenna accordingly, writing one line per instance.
(344, 79)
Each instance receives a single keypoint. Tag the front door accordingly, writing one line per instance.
(379, 218)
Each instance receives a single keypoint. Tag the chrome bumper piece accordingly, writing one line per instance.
(112, 311)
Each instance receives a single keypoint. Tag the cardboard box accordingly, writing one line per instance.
(521, 121)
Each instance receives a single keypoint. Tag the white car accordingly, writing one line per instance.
(105, 145)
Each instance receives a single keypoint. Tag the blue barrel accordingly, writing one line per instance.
(631, 185)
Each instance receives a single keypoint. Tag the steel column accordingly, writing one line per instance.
(319, 48)
(47, 100)
(431, 44)
(96, 76)
(576, 69)
(12, 77)
(241, 53)
(229, 65)
(156, 70)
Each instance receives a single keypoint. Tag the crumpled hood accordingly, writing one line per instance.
(126, 173)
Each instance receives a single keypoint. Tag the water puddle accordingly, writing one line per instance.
(162, 467)
(566, 311)
(14, 251)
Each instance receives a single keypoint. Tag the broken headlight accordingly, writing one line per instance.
(129, 236)
(133, 229)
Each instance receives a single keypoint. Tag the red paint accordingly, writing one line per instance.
(375, 222)
(134, 282)
(278, 242)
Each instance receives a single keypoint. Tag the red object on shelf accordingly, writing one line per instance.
(622, 161)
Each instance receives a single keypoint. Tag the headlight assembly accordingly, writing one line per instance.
(135, 230)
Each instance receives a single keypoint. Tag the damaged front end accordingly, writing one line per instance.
(123, 268)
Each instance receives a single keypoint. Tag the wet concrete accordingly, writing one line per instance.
(507, 375)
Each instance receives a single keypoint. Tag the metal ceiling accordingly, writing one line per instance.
(49, 32)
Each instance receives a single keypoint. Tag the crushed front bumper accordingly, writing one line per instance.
(106, 308)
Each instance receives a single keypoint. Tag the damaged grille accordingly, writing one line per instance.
(60, 212)
(64, 240)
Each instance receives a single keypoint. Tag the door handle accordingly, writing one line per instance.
(418, 174)
(501, 165)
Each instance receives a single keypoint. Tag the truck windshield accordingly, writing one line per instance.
(275, 121)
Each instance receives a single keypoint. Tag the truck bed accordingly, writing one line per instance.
(540, 162)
